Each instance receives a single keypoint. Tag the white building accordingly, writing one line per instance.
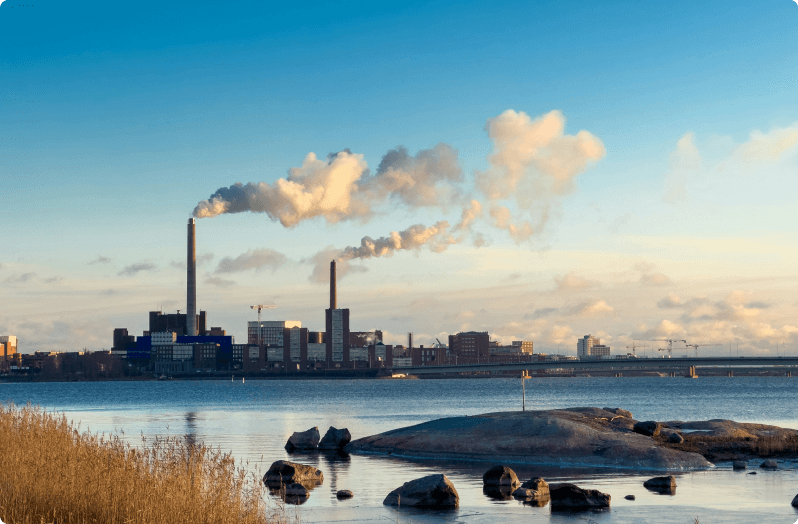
(590, 346)
(269, 332)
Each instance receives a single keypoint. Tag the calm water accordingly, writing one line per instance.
(253, 420)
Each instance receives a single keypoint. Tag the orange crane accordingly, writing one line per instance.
(670, 342)
(696, 346)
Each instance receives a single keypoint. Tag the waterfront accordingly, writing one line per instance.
(254, 419)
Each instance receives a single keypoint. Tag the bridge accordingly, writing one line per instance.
(652, 364)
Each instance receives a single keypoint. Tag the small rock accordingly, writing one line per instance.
(795, 502)
(303, 440)
(661, 482)
(285, 472)
(675, 438)
(344, 494)
(629, 497)
(537, 484)
(650, 428)
(752, 473)
(769, 464)
(335, 439)
(570, 496)
(435, 491)
(620, 412)
(500, 476)
(739, 464)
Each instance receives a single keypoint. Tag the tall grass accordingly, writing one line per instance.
(50, 472)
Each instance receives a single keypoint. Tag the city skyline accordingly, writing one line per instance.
(633, 167)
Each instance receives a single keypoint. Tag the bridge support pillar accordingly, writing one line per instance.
(789, 373)
(691, 372)
(730, 373)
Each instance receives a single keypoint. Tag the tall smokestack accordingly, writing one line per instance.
(191, 278)
(333, 290)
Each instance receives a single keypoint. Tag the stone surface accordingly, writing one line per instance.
(335, 439)
(739, 464)
(537, 484)
(575, 436)
(620, 412)
(286, 472)
(629, 497)
(675, 438)
(500, 476)
(344, 494)
(303, 440)
(432, 491)
(649, 428)
(668, 482)
(769, 464)
(570, 496)
(296, 490)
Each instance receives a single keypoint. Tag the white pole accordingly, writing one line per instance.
(523, 391)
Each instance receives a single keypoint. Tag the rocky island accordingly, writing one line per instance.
(592, 437)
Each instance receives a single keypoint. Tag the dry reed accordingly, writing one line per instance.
(50, 472)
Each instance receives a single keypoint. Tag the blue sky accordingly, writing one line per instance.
(118, 120)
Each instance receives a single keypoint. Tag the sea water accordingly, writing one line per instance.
(253, 420)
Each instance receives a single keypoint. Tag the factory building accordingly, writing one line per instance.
(470, 345)
(8, 348)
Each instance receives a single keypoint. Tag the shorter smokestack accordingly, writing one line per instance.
(410, 340)
(333, 290)
(191, 278)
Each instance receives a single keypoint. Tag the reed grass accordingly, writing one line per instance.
(51, 472)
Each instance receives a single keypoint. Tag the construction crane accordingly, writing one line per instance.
(696, 346)
(260, 307)
(670, 342)
(440, 344)
(633, 347)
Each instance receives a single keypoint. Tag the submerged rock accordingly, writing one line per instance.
(739, 464)
(649, 428)
(285, 472)
(769, 464)
(664, 485)
(335, 439)
(498, 492)
(570, 496)
(576, 436)
(629, 497)
(344, 494)
(432, 491)
(303, 440)
(500, 476)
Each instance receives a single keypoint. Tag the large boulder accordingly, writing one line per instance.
(500, 476)
(432, 491)
(769, 464)
(570, 496)
(649, 428)
(335, 439)
(285, 472)
(303, 440)
(620, 412)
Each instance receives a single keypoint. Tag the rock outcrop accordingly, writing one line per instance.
(500, 476)
(620, 412)
(335, 439)
(432, 491)
(649, 428)
(576, 436)
(303, 440)
(284, 472)
(572, 497)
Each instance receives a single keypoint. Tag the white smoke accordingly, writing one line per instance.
(435, 237)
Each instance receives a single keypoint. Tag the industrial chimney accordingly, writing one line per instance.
(191, 277)
(333, 290)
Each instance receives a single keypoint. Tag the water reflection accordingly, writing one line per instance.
(191, 428)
